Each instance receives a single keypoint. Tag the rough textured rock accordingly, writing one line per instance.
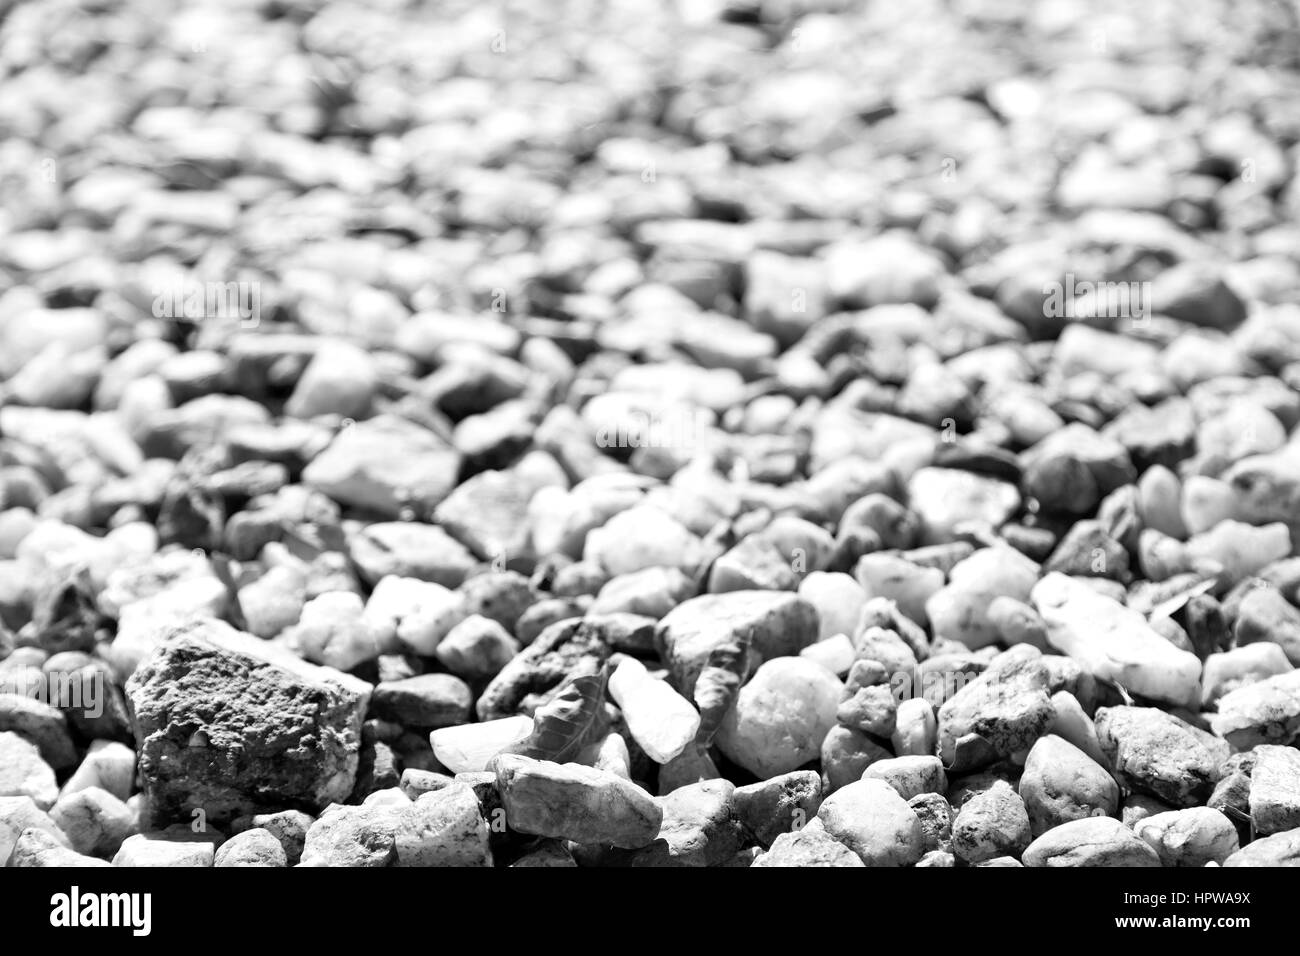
(808, 846)
(991, 824)
(778, 805)
(1192, 837)
(1156, 753)
(228, 724)
(528, 680)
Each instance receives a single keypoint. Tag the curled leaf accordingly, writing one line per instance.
(570, 720)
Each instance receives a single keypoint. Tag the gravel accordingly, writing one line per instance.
(662, 438)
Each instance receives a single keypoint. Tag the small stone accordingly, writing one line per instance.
(42, 724)
(643, 537)
(1074, 468)
(335, 632)
(652, 592)
(916, 729)
(575, 803)
(938, 858)
(385, 465)
(775, 624)
(351, 836)
(909, 585)
(781, 717)
(107, 764)
(1196, 292)
(339, 380)
(1240, 549)
(845, 754)
(1264, 615)
(1241, 667)
(1096, 841)
(289, 827)
(661, 721)
(959, 611)
(255, 847)
(1192, 837)
(95, 821)
(147, 850)
(547, 853)
(469, 747)
(443, 828)
(837, 598)
(910, 776)
(699, 828)
(778, 805)
(810, 846)
(36, 847)
(1113, 642)
(935, 813)
(946, 499)
(1007, 707)
(872, 820)
(870, 709)
(991, 824)
(1061, 783)
(1275, 789)
(18, 814)
(836, 654)
(408, 549)
(423, 701)
(23, 773)
(1280, 849)
(1265, 712)
(476, 648)
(1156, 753)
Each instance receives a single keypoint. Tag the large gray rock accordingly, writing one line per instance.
(229, 724)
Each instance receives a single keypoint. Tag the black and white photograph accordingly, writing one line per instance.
(650, 434)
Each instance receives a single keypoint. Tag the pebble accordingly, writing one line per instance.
(661, 722)
(144, 849)
(1275, 789)
(774, 624)
(1113, 642)
(1265, 615)
(94, 821)
(1193, 837)
(1264, 712)
(909, 585)
(872, 820)
(946, 499)
(19, 814)
(910, 776)
(424, 701)
(809, 846)
(476, 648)
(1280, 849)
(959, 610)
(916, 729)
(991, 824)
(1156, 753)
(781, 717)
(1095, 841)
(467, 748)
(575, 803)
(443, 828)
(778, 805)
(255, 847)
(1061, 783)
(1004, 710)
(23, 773)
(36, 847)
(1240, 667)
(837, 598)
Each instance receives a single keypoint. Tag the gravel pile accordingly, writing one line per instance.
(637, 434)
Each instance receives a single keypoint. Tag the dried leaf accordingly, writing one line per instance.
(570, 720)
